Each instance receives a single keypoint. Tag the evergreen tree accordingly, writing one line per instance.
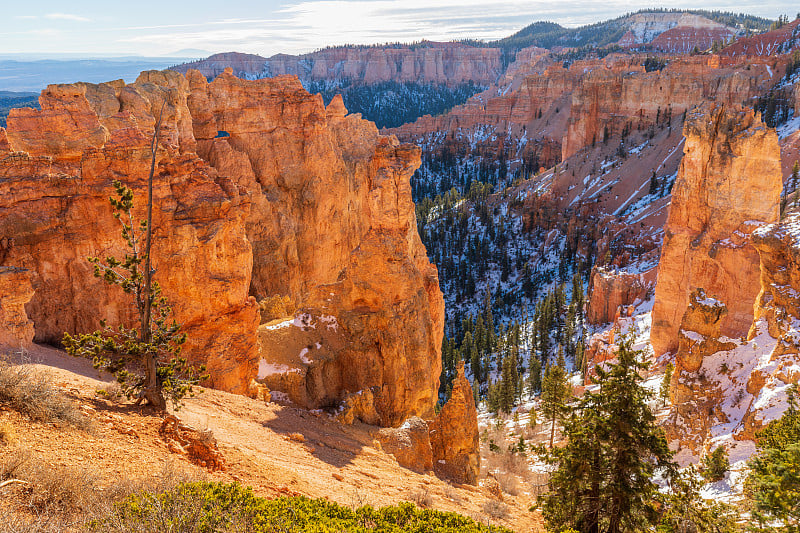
(653, 183)
(663, 392)
(683, 510)
(534, 374)
(146, 359)
(604, 480)
(555, 393)
(716, 464)
(774, 478)
(507, 385)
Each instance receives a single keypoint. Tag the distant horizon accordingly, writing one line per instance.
(162, 30)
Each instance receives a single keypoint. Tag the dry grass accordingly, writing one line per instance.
(31, 394)
(12, 461)
(509, 483)
(8, 435)
(421, 497)
(64, 489)
(53, 499)
(496, 509)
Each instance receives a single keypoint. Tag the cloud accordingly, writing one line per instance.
(66, 16)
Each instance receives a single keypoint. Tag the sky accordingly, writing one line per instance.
(267, 27)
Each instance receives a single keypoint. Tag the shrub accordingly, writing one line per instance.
(716, 464)
(495, 508)
(421, 497)
(30, 393)
(209, 507)
(62, 489)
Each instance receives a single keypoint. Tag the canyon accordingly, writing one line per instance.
(371, 283)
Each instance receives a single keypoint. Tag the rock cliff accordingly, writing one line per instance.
(729, 182)
(260, 191)
(16, 330)
(454, 434)
(54, 210)
(626, 96)
(728, 389)
(332, 227)
(543, 109)
(612, 292)
(429, 62)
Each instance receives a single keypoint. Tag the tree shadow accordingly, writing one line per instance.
(324, 437)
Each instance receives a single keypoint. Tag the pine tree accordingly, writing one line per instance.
(774, 478)
(604, 480)
(146, 360)
(555, 393)
(653, 184)
(663, 392)
(534, 374)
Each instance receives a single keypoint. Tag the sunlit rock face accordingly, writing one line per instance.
(728, 184)
(260, 190)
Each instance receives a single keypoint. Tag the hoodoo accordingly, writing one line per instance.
(728, 184)
(294, 200)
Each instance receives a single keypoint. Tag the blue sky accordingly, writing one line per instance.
(149, 27)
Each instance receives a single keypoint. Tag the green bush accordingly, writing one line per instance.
(204, 507)
(716, 464)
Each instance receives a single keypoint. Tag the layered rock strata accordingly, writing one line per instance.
(444, 63)
(410, 444)
(260, 191)
(54, 213)
(613, 292)
(728, 184)
(16, 330)
(333, 227)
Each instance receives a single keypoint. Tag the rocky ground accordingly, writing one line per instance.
(274, 448)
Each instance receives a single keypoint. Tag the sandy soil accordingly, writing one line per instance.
(275, 449)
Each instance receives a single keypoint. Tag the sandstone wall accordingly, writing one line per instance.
(729, 182)
(332, 226)
(611, 98)
(54, 213)
(445, 63)
(16, 330)
(611, 291)
(454, 434)
(259, 191)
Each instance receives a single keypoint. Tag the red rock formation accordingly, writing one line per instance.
(729, 182)
(54, 204)
(409, 444)
(211, 67)
(333, 227)
(685, 39)
(770, 43)
(454, 434)
(449, 63)
(294, 200)
(610, 99)
(612, 291)
(699, 335)
(779, 253)
(665, 31)
(16, 330)
(551, 112)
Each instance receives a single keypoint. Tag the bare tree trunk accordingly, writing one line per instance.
(152, 391)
